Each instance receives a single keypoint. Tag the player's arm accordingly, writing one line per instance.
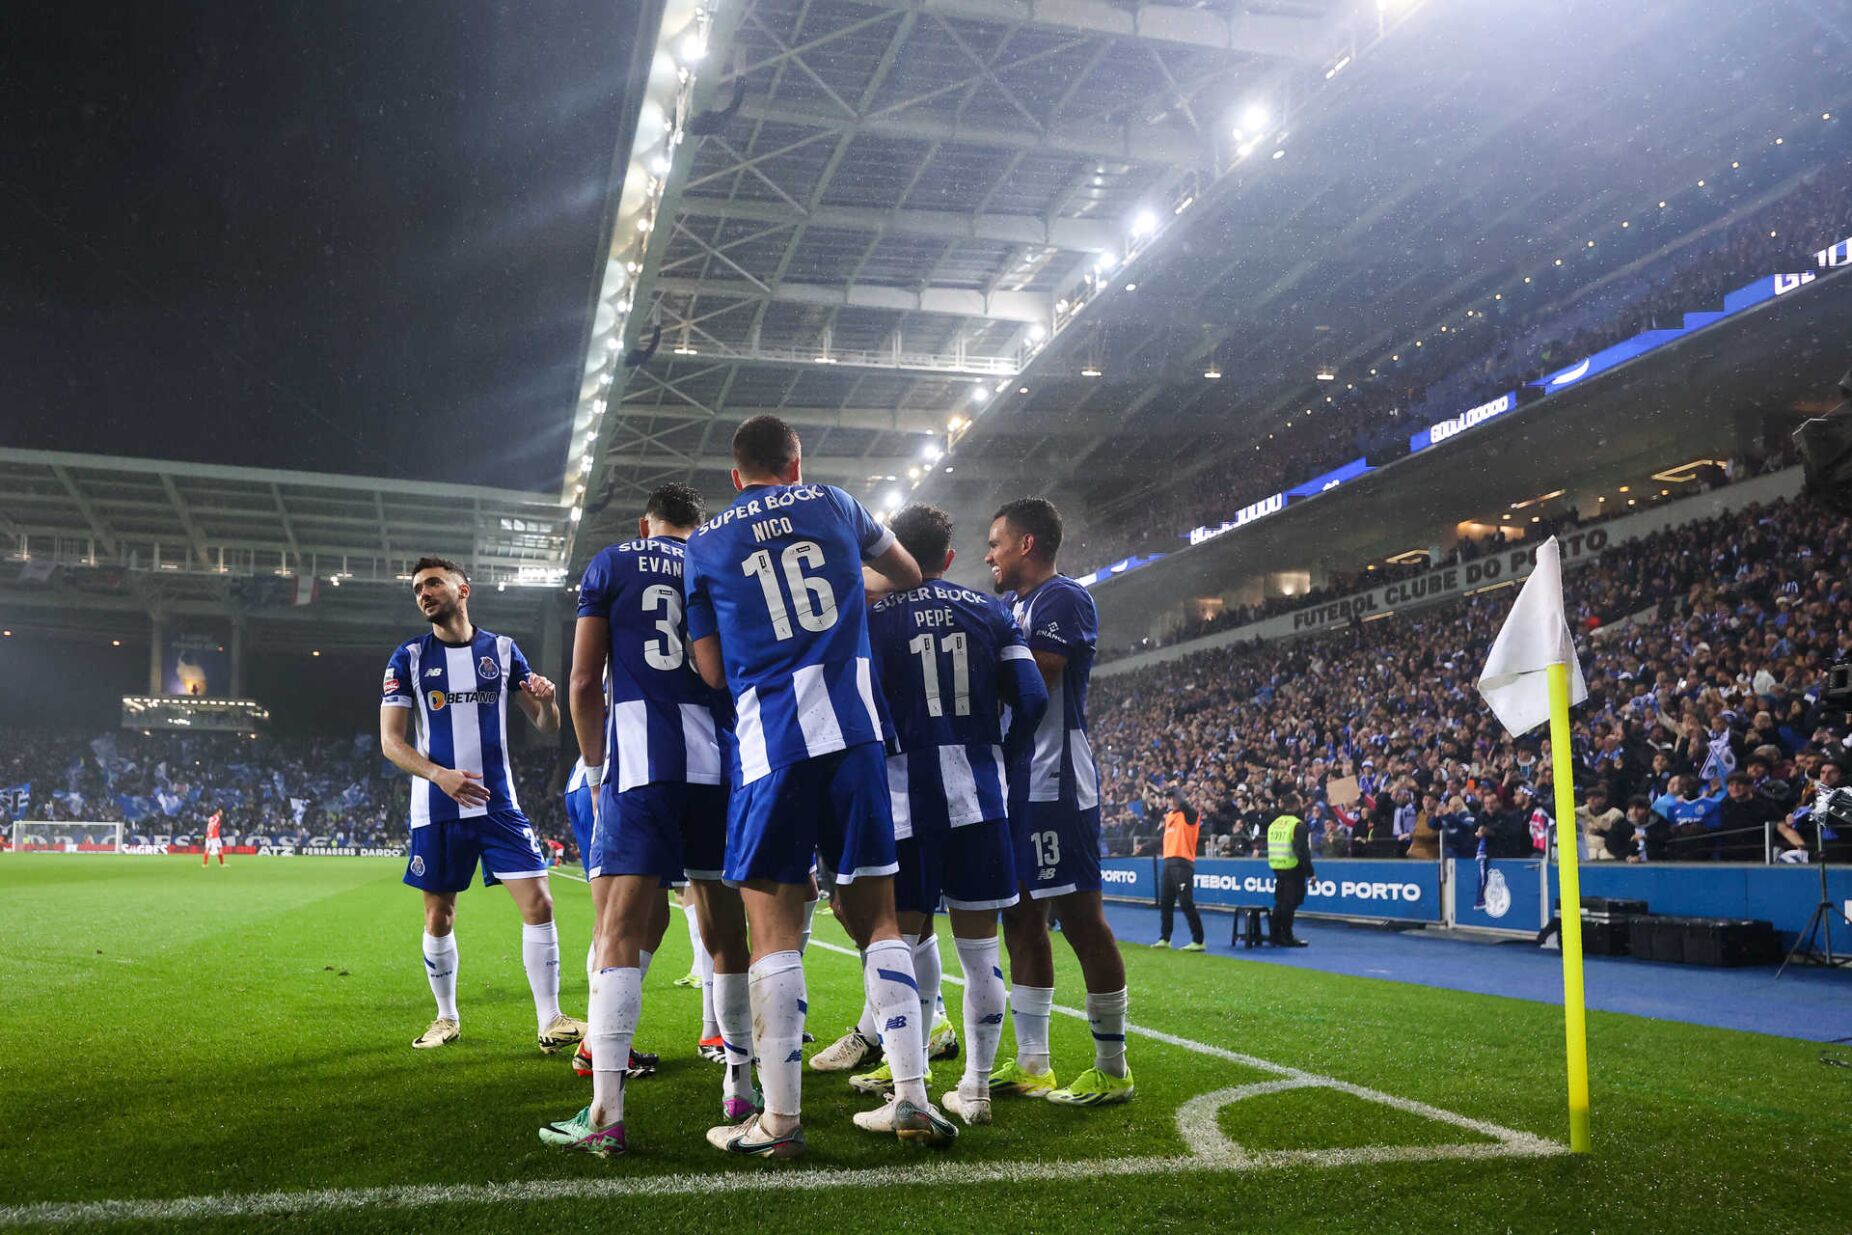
(539, 698)
(1052, 666)
(591, 646)
(1021, 685)
(465, 788)
(880, 549)
(897, 566)
(706, 652)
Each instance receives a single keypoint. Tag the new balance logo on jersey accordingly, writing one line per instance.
(434, 673)
(896, 1022)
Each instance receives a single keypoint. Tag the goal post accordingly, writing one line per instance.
(65, 836)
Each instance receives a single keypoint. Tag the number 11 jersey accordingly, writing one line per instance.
(778, 576)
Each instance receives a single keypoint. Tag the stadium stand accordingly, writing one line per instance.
(1716, 630)
(277, 789)
(1492, 351)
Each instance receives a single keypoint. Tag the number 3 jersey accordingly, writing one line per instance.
(458, 694)
(778, 576)
(662, 722)
(947, 660)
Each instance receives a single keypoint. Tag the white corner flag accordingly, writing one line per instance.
(1535, 636)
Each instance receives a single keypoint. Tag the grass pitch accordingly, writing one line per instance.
(170, 1033)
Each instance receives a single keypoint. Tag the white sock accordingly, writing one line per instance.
(617, 1001)
(803, 936)
(710, 1012)
(779, 1001)
(984, 1002)
(928, 971)
(1106, 1016)
(440, 966)
(894, 994)
(540, 954)
(1030, 1008)
(733, 1010)
(695, 945)
(866, 1026)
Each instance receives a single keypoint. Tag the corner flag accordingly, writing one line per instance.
(1531, 676)
(1534, 637)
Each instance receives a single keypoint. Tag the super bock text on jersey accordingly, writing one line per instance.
(662, 807)
(777, 576)
(948, 660)
(458, 697)
(1055, 799)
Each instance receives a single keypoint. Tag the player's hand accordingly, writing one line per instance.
(539, 687)
(463, 788)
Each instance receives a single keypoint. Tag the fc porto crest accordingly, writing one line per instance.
(487, 669)
(417, 864)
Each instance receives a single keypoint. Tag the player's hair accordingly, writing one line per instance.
(677, 505)
(925, 532)
(1037, 517)
(764, 446)
(439, 563)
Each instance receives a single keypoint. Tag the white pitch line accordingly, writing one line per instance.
(1197, 1126)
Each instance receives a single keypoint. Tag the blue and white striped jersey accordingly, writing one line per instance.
(947, 660)
(778, 576)
(1059, 616)
(458, 694)
(663, 722)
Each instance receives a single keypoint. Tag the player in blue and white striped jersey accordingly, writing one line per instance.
(776, 613)
(1055, 814)
(653, 738)
(454, 685)
(948, 661)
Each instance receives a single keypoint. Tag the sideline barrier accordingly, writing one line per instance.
(1442, 894)
(1374, 889)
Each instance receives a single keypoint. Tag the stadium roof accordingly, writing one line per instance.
(976, 247)
(102, 533)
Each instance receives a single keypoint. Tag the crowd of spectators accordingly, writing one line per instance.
(280, 789)
(1467, 549)
(1498, 348)
(1703, 646)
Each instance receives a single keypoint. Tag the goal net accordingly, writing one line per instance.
(69, 836)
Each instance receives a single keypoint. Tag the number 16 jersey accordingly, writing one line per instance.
(778, 576)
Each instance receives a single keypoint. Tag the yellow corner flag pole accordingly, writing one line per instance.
(1575, 1016)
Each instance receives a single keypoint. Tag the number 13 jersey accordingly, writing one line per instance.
(778, 576)
(664, 724)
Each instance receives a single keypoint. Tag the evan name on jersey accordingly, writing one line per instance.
(658, 557)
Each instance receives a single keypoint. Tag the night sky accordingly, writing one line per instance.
(349, 237)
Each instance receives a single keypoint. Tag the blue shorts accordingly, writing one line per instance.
(1057, 848)
(579, 814)
(834, 809)
(669, 829)
(971, 866)
(444, 855)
